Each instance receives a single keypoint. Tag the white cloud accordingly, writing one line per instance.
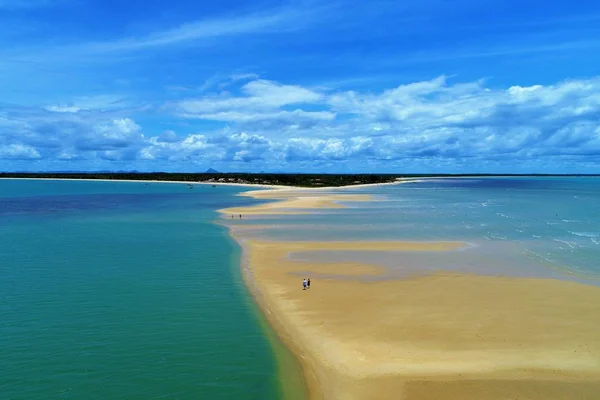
(259, 95)
(197, 30)
(274, 94)
(277, 20)
(260, 100)
(18, 151)
(67, 156)
(168, 136)
(243, 116)
(63, 108)
(221, 82)
(196, 147)
(112, 135)
(52, 57)
(422, 119)
(429, 123)
(88, 103)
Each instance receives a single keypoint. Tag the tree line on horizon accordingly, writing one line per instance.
(308, 180)
(287, 179)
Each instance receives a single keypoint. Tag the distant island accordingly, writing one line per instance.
(291, 179)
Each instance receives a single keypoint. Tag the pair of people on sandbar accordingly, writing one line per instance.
(306, 284)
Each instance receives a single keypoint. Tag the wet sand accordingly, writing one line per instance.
(292, 202)
(443, 335)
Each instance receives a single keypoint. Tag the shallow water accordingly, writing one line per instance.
(534, 227)
(114, 290)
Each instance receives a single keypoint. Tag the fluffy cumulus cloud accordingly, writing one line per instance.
(430, 125)
(436, 119)
(260, 100)
(202, 148)
(330, 149)
(18, 152)
(39, 134)
(429, 119)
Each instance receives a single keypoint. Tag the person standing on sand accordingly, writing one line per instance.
(308, 283)
(240, 216)
(304, 283)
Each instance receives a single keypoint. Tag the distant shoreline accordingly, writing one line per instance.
(313, 181)
(258, 186)
(152, 181)
(288, 180)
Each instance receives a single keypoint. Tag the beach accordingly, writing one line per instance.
(361, 333)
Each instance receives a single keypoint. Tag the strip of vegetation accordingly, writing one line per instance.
(301, 180)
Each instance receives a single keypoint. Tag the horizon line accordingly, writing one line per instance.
(464, 174)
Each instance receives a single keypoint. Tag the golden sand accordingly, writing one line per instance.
(444, 336)
(292, 202)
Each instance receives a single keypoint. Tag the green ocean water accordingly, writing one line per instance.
(127, 291)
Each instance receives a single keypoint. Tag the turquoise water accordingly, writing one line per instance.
(526, 226)
(125, 291)
(131, 291)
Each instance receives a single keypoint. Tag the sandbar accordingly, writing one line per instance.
(430, 337)
(292, 202)
(438, 336)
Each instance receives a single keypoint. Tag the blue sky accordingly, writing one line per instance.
(300, 86)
